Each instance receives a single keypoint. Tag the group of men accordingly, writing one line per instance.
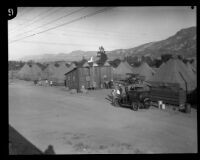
(47, 83)
(118, 92)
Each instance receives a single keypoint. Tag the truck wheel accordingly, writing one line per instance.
(134, 106)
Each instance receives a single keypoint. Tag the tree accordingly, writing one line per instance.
(166, 57)
(102, 54)
(157, 63)
(115, 62)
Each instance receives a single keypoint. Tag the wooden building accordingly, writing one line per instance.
(87, 76)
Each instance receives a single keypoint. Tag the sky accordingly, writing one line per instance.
(53, 30)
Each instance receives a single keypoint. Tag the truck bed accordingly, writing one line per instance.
(168, 95)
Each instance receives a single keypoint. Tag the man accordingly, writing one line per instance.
(47, 82)
(115, 94)
(51, 83)
(120, 89)
(94, 85)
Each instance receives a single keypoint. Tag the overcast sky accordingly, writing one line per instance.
(113, 28)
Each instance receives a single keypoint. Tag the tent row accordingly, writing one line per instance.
(51, 72)
(176, 72)
(173, 71)
(124, 68)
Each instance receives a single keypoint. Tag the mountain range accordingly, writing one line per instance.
(182, 43)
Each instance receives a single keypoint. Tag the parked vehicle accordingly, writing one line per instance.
(134, 97)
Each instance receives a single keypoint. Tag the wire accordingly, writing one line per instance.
(21, 15)
(35, 18)
(39, 19)
(77, 19)
(53, 21)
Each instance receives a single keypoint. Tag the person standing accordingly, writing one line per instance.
(115, 94)
(120, 89)
(47, 82)
(94, 85)
(51, 83)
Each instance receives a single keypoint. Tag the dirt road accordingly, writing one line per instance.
(77, 123)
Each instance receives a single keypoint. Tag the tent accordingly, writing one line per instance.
(72, 65)
(59, 74)
(49, 71)
(36, 71)
(121, 71)
(155, 69)
(86, 64)
(174, 71)
(194, 64)
(30, 72)
(144, 70)
(106, 63)
(191, 68)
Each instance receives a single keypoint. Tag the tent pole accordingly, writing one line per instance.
(185, 87)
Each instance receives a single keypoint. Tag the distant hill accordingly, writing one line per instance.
(72, 56)
(182, 43)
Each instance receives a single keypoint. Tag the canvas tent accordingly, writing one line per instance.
(106, 63)
(30, 72)
(174, 71)
(155, 69)
(144, 70)
(49, 71)
(121, 71)
(194, 64)
(86, 64)
(191, 68)
(58, 76)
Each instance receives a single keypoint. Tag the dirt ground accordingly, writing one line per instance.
(88, 123)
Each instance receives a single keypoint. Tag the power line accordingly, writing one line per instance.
(77, 19)
(53, 21)
(39, 19)
(35, 18)
(19, 16)
(24, 14)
